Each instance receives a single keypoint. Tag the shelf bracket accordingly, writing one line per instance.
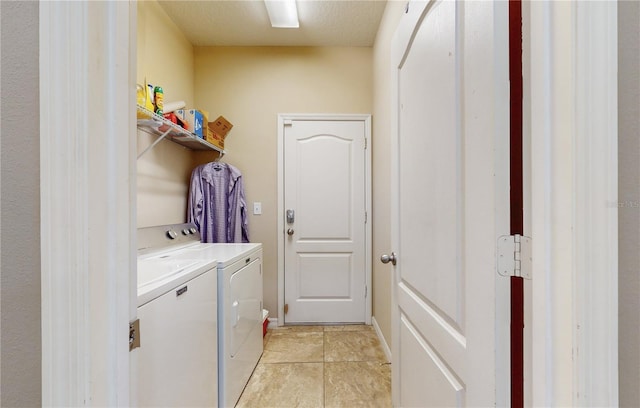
(152, 145)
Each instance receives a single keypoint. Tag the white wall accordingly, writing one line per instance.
(629, 201)
(20, 207)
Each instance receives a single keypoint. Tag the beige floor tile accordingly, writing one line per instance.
(293, 347)
(357, 384)
(280, 329)
(349, 327)
(284, 385)
(352, 346)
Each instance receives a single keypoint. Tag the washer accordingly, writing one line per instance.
(177, 310)
(239, 311)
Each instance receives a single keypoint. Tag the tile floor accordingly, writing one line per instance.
(320, 366)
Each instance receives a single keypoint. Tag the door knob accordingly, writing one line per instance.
(290, 231)
(389, 258)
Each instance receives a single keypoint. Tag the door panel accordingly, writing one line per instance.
(431, 156)
(447, 203)
(322, 275)
(324, 181)
(416, 353)
(324, 187)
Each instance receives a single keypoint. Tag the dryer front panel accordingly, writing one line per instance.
(245, 308)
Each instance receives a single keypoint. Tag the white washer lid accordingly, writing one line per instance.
(158, 276)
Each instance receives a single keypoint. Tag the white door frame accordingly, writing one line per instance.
(88, 170)
(573, 206)
(282, 118)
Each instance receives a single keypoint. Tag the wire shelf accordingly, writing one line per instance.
(155, 124)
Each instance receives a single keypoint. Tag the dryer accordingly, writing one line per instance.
(239, 314)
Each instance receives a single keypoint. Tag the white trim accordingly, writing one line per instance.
(65, 378)
(574, 191)
(133, 202)
(369, 226)
(596, 226)
(383, 341)
(86, 119)
(280, 220)
(366, 118)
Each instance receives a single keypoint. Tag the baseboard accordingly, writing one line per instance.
(383, 342)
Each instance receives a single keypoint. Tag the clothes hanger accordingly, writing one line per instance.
(217, 165)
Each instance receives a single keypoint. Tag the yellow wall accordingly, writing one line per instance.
(165, 58)
(250, 86)
(381, 140)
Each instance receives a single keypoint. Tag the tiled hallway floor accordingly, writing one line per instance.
(320, 366)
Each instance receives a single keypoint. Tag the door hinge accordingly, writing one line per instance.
(286, 308)
(514, 256)
(366, 143)
(366, 291)
(366, 217)
(134, 334)
(288, 122)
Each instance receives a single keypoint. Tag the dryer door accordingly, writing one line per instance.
(245, 309)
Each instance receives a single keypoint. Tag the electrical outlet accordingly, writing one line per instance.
(257, 208)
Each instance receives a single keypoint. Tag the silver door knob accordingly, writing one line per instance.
(290, 231)
(389, 258)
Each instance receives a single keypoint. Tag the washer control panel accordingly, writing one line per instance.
(161, 236)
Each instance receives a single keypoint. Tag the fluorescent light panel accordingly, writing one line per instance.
(282, 13)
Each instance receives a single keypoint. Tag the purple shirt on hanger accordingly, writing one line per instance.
(217, 205)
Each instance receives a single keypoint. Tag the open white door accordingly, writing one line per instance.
(450, 201)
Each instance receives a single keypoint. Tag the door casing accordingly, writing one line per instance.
(88, 202)
(282, 119)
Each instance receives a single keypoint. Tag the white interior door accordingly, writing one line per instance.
(450, 203)
(325, 235)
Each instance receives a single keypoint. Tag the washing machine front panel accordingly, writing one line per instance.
(177, 360)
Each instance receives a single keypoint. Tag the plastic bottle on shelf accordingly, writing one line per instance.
(151, 105)
(159, 99)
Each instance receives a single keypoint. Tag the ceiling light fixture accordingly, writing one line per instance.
(282, 13)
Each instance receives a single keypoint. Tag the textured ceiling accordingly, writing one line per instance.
(246, 23)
